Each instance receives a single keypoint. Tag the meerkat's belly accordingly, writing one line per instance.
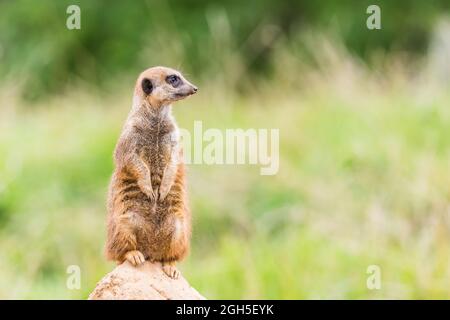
(164, 240)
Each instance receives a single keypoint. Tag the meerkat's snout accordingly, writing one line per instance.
(183, 87)
(187, 90)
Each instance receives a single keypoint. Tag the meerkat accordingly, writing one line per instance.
(148, 214)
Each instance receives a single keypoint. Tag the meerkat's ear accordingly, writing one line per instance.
(147, 86)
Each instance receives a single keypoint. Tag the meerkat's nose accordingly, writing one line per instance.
(194, 89)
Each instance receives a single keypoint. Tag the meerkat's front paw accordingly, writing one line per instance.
(163, 192)
(170, 270)
(149, 192)
(135, 257)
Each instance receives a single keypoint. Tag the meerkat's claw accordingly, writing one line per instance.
(171, 271)
(135, 257)
(150, 193)
(152, 196)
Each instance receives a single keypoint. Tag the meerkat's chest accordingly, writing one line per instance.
(160, 139)
(163, 138)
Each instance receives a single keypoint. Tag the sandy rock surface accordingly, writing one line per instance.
(145, 282)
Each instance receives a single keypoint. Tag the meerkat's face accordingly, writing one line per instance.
(161, 86)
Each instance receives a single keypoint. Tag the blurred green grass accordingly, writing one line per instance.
(363, 180)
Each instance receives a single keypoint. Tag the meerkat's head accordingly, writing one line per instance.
(161, 86)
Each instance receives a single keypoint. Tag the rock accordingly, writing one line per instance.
(145, 282)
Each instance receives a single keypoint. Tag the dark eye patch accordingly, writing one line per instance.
(147, 86)
(174, 80)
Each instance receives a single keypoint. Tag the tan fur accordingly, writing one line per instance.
(148, 215)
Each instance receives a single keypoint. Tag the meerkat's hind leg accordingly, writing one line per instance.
(135, 257)
(170, 269)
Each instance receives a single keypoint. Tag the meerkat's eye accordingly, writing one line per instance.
(147, 86)
(173, 80)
